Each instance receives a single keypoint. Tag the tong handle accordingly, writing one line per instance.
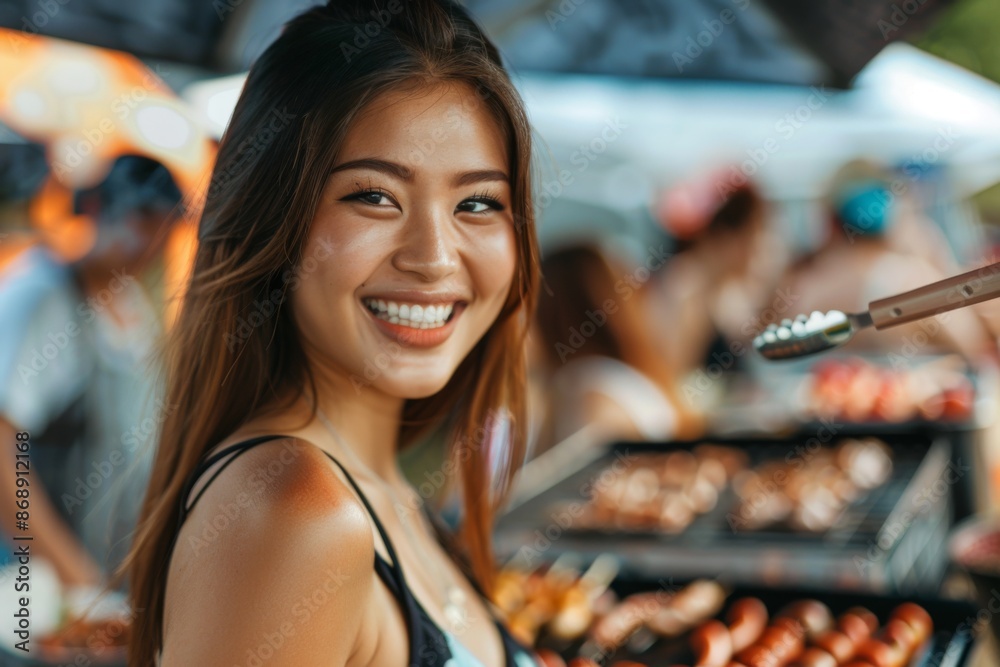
(952, 293)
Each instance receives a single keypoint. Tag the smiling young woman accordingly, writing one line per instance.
(390, 224)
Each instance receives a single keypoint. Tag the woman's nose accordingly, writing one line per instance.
(428, 246)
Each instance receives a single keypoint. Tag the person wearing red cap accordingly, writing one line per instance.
(710, 292)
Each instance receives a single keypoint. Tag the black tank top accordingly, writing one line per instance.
(430, 645)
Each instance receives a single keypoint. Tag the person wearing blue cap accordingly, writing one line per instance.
(878, 244)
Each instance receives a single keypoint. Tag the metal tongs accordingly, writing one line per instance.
(809, 334)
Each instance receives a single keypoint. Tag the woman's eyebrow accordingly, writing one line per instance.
(470, 177)
(391, 168)
(406, 174)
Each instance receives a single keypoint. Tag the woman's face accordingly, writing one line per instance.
(412, 251)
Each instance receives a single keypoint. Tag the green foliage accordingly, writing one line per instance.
(966, 34)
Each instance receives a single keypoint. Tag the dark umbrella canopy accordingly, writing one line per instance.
(775, 41)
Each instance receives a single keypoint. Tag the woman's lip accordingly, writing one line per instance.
(420, 338)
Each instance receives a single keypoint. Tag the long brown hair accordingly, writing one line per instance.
(295, 109)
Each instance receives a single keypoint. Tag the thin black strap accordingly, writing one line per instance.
(196, 473)
(239, 448)
(444, 534)
(405, 595)
(390, 573)
(371, 511)
(446, 538)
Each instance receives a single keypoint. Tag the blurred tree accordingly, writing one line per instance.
(966, 34)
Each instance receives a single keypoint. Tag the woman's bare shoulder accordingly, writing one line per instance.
(287, 479)
(277, 539)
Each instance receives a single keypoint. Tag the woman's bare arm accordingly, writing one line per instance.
(275, 561)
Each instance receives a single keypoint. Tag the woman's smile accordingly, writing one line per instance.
(426, 242)
(395, 215)
(415, 321)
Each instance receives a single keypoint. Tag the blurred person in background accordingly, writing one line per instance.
(73, 371)
(705, 304)
(22, 171)
(23, 168)
(879, 244)
(597, 356)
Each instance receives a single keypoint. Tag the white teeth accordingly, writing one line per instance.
(416, 316)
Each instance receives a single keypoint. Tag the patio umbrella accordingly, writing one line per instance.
(88, 106)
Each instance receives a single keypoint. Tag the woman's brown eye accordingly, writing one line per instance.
(373, 197)
(480, 205)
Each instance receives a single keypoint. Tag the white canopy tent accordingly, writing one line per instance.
(606, 144)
